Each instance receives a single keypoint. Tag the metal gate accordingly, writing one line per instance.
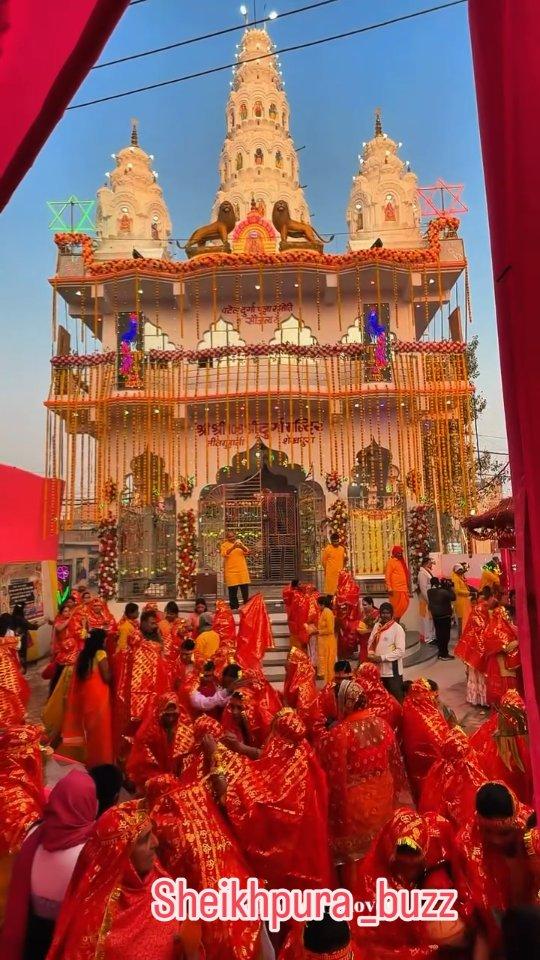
(266, 522)
(147, 552)
(312, 513)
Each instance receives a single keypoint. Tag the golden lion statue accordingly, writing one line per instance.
(218, 230)
(286, 227)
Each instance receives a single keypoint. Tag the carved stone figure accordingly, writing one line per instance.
(287, 227)
(218, 230)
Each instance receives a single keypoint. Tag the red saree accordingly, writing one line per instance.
(153, 752)
(400, 939)
(196, 843)
(254, 633)
(424, 730)
(347, 611)
(282, 796)
(300, 690)
(365, 781)
(139, 676)
(470, 646)
(382, 703)
(224, 625)
(502, 747)
(502, 667)
(451, 785)
(301, 609)
(107, 909)
(21, 784)
(14, 690)
(491, 881)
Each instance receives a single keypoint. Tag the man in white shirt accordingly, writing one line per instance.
(386, 648)
(427, 627)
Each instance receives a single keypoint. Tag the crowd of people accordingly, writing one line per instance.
(184, 761)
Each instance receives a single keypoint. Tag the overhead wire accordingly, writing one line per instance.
(210, 36)
(264, 56)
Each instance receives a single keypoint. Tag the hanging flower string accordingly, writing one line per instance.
(186, 556)
(108, 557)
(419, 537)
(338, 521)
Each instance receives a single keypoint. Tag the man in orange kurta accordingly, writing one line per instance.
(235, 568)
(397, 582)
(333, 561)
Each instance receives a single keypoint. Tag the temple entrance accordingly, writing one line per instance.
(277, 518)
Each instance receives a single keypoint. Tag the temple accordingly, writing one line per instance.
(261, 384)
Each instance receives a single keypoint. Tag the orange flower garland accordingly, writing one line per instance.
(418, 258)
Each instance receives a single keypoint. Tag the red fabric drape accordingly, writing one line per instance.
(29, 505)
(46, 50)
(505, 41)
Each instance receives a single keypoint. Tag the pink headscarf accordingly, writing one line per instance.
(68, 819)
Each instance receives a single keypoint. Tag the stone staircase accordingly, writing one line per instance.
(275, 659)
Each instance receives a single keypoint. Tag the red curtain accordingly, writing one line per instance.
(46, 50)
(505, 38)
(29, 510)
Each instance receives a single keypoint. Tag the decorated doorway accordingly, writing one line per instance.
(269, 505)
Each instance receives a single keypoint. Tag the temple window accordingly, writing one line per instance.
(239, 161)
(222, 333)
(259, 157)
(272, 112)
(243, 111)
(358, 216)
(258, 109)
(279, 160)
(355, 333)
(292, 331)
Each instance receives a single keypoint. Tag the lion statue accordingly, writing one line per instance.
(218, 230)
(286, 227)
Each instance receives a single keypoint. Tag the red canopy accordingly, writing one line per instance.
(505, 39)
(497, 523)
(29, 511)
(46, 50)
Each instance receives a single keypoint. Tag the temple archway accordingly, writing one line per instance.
(272, 507)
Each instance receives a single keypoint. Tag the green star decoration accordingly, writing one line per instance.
(79, 214)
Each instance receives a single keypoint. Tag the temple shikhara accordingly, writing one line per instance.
(258, 383)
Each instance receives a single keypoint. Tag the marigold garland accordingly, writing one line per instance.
(173, 268)
(310, 351)
(334, 481)
(186, 553)
(108, 557)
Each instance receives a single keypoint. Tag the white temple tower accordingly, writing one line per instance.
(383, 202)
(258, 160)
(131, 212)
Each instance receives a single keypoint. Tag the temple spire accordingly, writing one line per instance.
(134, 133)
(378, 122)
(258, 160)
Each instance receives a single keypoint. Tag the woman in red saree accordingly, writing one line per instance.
(107, 910)
(196, 843)
(450, 787)
(424, 730)
(502, 747)
(470, 649)
(21, 783)
(494, 869)
(410, 852)
(282, 795)
(161, 743)
(382, 703)
(247, 718)
(139, 676)
(87, 725)
(347, 611)
(14, 690)
(501, 652)
(300, 690)
(224, 625)
(365, 776)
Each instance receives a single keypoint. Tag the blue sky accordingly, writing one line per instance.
(419, 72)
